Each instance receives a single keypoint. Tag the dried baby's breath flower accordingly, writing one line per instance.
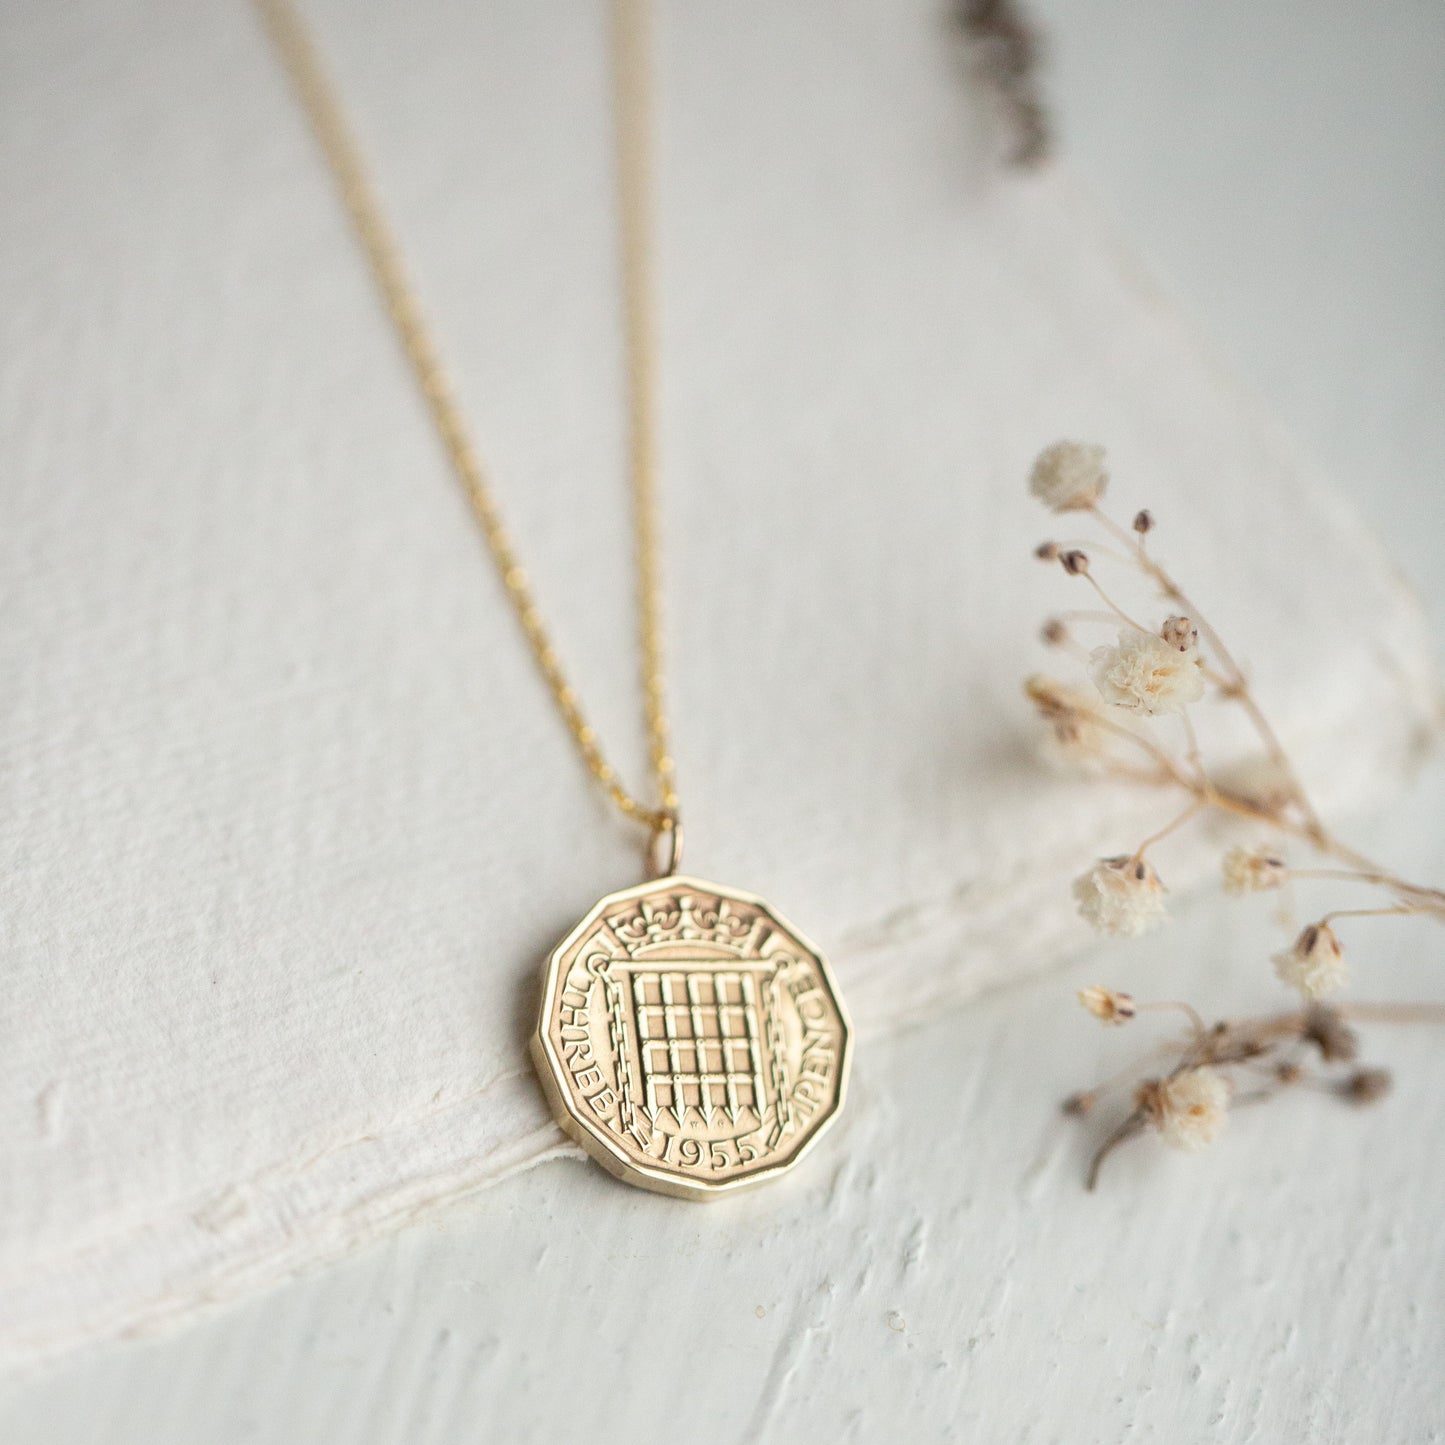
(1069, 476)
(1047, 551)
(1107, 1004)
(1315, 964)
(1145, 674)
(1254, 870)
(1367, 1086)
(1188, 1104)
(1326, 1029)
(1054, 632)
(1180, 633)
(1122, 896)
(1189, 1109)
(1075, 742)
(1049, 695)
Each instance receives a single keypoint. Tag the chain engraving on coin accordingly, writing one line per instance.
(690, 1039)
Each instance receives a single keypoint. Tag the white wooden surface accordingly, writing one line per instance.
(940, 1276)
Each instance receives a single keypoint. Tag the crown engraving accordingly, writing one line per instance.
(665, 920)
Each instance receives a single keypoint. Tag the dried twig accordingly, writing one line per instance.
(1004, 48)
(1189, 1104)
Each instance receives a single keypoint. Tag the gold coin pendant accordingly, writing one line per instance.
(690, 1039)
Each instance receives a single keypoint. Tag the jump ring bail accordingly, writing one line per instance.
(664, 849)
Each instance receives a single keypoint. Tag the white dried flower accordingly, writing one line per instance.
(1122, 896)
(1069, 476)
(1107, 1005)
(1189, 1109)
(1315, 965)
(1145, 674)
(1253, 870)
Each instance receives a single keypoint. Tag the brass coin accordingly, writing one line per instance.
(690, 1039)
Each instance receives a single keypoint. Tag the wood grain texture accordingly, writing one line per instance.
(218, 649)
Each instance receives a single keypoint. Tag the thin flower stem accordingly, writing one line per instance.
(1325, 842)
(1130, 539)
(1255, 1096)
(1167, 764)
(1268, 1027)
(1194, 754)
(1164, 832)
(1345, 875)
(1112, 605)
(1090, 545)
(1335, 913)
(1159, 1004)
(1394, 1013)
(1126, 774)
(1427, 900)
(1086, 614)
(1245, 698)
(1130, 1071)
(1132, 1125)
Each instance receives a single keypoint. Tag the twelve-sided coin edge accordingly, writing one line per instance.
(589, 1133)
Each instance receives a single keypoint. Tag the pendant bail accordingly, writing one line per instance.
(664, 849)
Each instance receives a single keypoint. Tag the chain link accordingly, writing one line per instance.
(631, 49)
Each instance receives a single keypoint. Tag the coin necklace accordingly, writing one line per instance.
(689, 1038)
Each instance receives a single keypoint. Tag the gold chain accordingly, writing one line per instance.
(631, 48)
